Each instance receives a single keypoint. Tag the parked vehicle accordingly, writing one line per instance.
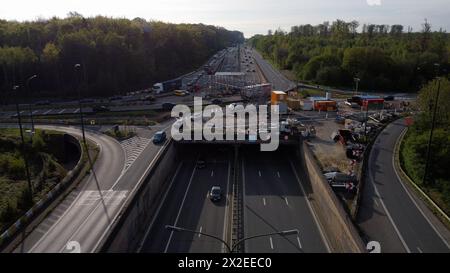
(341, 181)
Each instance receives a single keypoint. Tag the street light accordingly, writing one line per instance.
(27, 169)
(356, 79)
(77, 68)
(29, 105)
(433, 120)
(233, 247)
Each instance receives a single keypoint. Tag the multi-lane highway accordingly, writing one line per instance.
(274, 201)
(278, 80)
(186, 204)
(390, 212)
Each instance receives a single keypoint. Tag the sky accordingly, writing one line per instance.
(249, 16)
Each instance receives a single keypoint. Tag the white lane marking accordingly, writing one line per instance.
(159, 208)
(271, 243)
(287, 203)
(319, 226)
(200, 231)
(415, 203)
(278, 174)
(299, 243)
(212, 173)
(179, 211)
(34, 112)
(48, 111)
(60, 112)
(420, 250)
(264, 201)
(76, 110)
(226, 207)
(259, 173)
(376, 202)
(390, 217)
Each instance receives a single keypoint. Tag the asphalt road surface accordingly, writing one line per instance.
(278, 80)
(390, 213)
(274, 201)
(88, 211)
(187, 205)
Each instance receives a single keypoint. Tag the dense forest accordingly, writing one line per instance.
(390, 58)
(117, 55)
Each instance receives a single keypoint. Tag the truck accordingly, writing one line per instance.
(167, 86)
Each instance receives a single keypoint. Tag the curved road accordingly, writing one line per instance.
(87, 212)
(390, 213)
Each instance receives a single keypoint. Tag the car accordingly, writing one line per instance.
(201, 163)
(253, 70)
(101, 108)
(389, 98)
(215, 194)
(159, 137)
(167, 106)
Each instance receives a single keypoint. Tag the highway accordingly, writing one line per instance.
(274, 201)
(187, 205)
(88, 211)
(390, 212)
(278, 80)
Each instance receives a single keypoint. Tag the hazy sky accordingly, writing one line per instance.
(248, 16)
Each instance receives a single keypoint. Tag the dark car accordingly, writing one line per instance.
(167, 106)
(201, 163)
(389, 98)
(100, 109)
(215, 194)
(159, 137)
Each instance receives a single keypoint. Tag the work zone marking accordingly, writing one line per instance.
(286, 200)
(89, 198)
(299, 243)
(259, 173)
(278, 174)
(200, 231)
(48, 111)
(264, 201)
(271, 243)
(212, 173)
(60, 112)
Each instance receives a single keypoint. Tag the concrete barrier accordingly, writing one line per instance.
(130, 226)
(339, 230)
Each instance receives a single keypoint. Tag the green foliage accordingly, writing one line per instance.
(383, 57)
(117, 55)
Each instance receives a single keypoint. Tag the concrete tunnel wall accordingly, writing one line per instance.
(129, 229)
(339, 230)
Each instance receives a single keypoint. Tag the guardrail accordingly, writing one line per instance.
(22, 223)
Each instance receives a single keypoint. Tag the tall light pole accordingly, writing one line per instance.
(233, 247)
(27, 169)
(77, 71)
(356, 79)
(433, 120)
(29, 104)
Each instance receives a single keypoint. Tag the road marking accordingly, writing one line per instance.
(212, 173)
(179, 211)
(278, 174)
(200, 231)
(159, 207)
(287, 203)
(264, 201)
(224, 236)
(259, 173)
(420, 250)
(299, 243)
(60, 112)
(376, 202)
(76, 110)
(34, 112)
(48, 111)
(319, 226)
(415, 203)
(271, 243)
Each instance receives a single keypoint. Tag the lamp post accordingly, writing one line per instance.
(77, 70)
(29, 105)
(233, 247)
(433, 120)
(356, 79)
(27, 169)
